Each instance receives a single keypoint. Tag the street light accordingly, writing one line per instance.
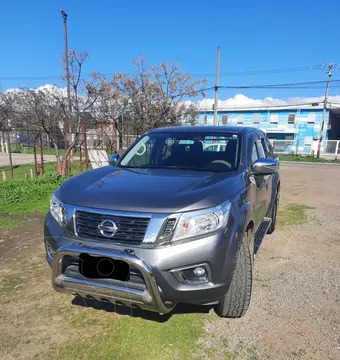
(64, 15)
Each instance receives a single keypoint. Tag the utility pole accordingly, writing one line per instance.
(64, 15)
(329, 73)
(216, 86)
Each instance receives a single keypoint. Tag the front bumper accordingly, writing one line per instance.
(148, 299)
(161, 290)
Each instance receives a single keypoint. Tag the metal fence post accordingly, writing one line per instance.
(41, 154)
(80, 158)
(9, 152)
(35, 155)
(85, 148)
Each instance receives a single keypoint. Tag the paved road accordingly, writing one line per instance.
(19, 159)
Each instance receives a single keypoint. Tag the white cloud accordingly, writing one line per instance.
(241, 100)
(238, 101)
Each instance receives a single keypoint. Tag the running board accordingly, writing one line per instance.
(261, 232)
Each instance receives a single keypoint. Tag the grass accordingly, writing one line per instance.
(22, 171)
(36, 206)
(7, 222)
(47, 151)
(126, 337)
(9, 215)
(9, 285)
(292, 214)
(305, 158)
(22, 196)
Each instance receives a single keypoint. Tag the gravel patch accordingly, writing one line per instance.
(295, 308)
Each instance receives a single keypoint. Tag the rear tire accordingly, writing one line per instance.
(236, 301)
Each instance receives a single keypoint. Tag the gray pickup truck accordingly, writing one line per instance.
(173, 220)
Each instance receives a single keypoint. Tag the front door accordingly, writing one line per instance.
(262, 197)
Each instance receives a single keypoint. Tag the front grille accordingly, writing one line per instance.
(131, 230)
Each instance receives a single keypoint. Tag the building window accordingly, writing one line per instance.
(308, 140)
(311, 118)
(274, 118)
(256, 118)
(240, 119)
(224, 119)
(291, 119)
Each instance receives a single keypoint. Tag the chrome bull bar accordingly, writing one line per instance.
(148, 299)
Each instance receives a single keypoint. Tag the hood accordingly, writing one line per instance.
(150, 190)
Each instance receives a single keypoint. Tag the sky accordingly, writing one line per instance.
(252, 35)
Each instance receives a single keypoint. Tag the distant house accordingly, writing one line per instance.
(298, 124)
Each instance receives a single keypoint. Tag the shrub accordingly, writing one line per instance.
(29, 190)
(16, 147)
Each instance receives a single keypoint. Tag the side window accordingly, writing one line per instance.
(267, 146)
(140, 155)
(254, 155)
(261, 151)
(210, 148)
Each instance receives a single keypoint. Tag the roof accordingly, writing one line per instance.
(267, 107)
(228, 129)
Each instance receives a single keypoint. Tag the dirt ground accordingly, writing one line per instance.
(295, 308)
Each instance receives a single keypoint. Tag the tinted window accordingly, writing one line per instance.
(291, 119)
(140, 154)
(191, 150)
(260, 149)
(254, 155)
(211, 148)
(267, 146)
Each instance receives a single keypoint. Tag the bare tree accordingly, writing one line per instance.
(5, 113)
(84, 94)
(155, 96)
(38, 111)
(110, 108)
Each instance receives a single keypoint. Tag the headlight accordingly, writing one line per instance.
(196, 223)
(57, 210)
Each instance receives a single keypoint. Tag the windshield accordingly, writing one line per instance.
(198, 151)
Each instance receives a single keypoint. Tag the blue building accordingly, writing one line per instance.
(297, 124)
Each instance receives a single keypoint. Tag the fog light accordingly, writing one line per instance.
(199, 272)
(193, 275)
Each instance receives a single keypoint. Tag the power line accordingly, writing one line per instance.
(235, 73)
(299, 85)
(267, 71)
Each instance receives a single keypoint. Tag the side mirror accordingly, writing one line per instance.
(265, 166)
(113, 159)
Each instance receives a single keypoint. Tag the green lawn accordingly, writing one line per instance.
(305, 158)
(126, 337)
(20, 171)
(292, 214)
(47, 151)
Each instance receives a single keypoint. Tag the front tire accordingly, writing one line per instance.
(236, 301)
